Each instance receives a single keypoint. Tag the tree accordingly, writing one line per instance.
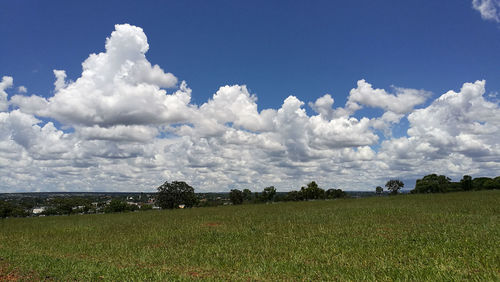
(478, 183)
(294, 196)
(491, 184)
(236, 197)
(335, 193)
(268, 193)
(312, 191)
(146, 207)
(8, 209)
(379, 190)
(466, 183)
(432, 183)
(247, 195)
(171, 195)
(116, 205)
(394, 185)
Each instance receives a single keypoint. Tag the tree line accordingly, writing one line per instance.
(434, 183)
(23, 207)
(180, 194)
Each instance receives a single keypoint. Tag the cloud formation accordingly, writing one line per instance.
(489, 9)
(127, 125)
(6, 82)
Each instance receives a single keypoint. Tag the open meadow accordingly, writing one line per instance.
(449, 237)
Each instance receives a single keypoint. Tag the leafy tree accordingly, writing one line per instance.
(116, 206)
(478, 183)
(256, 197)
(335, 193)
(247, 194)
(394, 185)
(236, 197)
(8, 209)
(491, 184)
(466, 183)
(28, 203)
(312, 191)
(454, 187)
(171, 195)
(279, 197)
(51, 211)
(294, 196)
(268, 193)
(379, 190)
(146, 207)
(432, 183)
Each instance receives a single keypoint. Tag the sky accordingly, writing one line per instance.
(125, 95)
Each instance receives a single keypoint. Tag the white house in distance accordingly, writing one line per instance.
(38, 210)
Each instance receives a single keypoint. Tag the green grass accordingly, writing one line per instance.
(448, 237)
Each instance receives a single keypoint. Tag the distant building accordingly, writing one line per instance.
(38, 210)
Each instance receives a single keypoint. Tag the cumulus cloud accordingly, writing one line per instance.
(6, 82)
(402, 102)
(125, 124)
(118, 89)
(120, 133)
(323, 106)
(60, 79)
(461, 122)
(458, 132)
(22, 89)
(489, 9)
(24, 132)
(240, 108)
(31, 104)
(117, 86)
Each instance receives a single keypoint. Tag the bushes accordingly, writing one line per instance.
(313, 192)
(433, 183)
(10, 210)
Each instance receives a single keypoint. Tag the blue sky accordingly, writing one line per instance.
(276, 48)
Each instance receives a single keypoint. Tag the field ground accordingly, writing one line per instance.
(409, 237)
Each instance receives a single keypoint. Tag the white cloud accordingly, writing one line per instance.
(234, 104)
(22, 89)
(458, 132)
(60, 79)
(118, 88)
(402, 102)
(6, 82)
(137, 133)
(31, 104)
(121, 130)
(386, 121)
(489, 9)
(323, 106)
(461, 122)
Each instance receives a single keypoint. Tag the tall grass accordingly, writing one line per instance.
(414, 237)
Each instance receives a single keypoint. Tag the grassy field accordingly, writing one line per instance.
(449, 237)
